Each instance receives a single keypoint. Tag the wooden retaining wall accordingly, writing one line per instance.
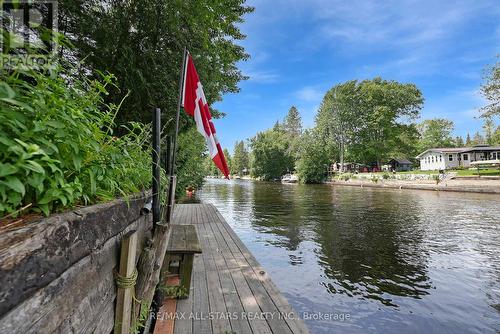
(57, 275)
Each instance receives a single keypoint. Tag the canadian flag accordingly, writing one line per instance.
(195, 104)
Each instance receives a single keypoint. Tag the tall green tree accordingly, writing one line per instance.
(292, 123)
(271, 156)
(365, 120)
(405, 144)
(210, 168)
(240, 158)
(435, 132)
(278, 126)
(387, 107)
(312, 164)
(468, 140)
(489, 130)
(229, 161)
(337, 120)
(490, 89)
(478, 139)
(141, 42)
(496, 136)
(191, 157)
(459, 141)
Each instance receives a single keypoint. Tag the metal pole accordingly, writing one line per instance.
(172, 178)
(168, 156)
(181, 85)
(156, 165)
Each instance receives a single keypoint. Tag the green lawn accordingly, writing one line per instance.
(420, 172)
(464, 172)
(413, 172)
(473, 172)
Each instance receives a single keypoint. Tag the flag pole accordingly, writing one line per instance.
(172, 178)
(156, 165)
(181, 86)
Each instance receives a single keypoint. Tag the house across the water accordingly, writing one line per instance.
(399, 165)
(454, 157)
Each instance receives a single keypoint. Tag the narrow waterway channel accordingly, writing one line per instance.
(368, 260)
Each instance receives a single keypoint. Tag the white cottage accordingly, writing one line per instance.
(449, 158)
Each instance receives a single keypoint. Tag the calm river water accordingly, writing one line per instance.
(375, 260)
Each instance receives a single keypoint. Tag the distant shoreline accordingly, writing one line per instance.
(464, 185)
(455, 185)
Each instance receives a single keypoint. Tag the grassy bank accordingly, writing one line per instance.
(475, 172)
(460, 172)
(57, 147)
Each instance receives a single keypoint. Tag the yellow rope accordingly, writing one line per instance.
(126, 282)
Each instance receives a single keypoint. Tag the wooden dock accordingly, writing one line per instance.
(230, 291)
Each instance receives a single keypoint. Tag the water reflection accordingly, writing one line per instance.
(366, 248)
(364, 244)
(405, 259)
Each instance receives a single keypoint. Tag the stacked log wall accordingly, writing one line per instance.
(57, 274)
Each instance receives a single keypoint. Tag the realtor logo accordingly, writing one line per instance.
(28, 32)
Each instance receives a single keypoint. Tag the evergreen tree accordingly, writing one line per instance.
(293, 123)
(489, 129)
(240, 158)
(468, 141)
(210, 168)
(459, 141)
(229, 160)
(277, 126)
(496, 136)
(478, 139)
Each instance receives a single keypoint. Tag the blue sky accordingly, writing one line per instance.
(300, 49)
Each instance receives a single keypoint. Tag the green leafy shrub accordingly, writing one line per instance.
(191, 161)
(57, 147)
(386, 176)
(345, 176)
(271, 154)
(312, 163)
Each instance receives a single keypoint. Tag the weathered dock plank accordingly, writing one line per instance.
(230, 291)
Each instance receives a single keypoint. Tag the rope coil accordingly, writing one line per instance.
(125, 282)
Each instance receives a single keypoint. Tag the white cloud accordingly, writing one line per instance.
(428, 42)
(423, 29)
(261, 76)
(309, 94)
(396, 22)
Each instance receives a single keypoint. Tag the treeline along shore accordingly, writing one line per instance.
(361, 126)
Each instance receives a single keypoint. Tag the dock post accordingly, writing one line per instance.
(125, 281)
